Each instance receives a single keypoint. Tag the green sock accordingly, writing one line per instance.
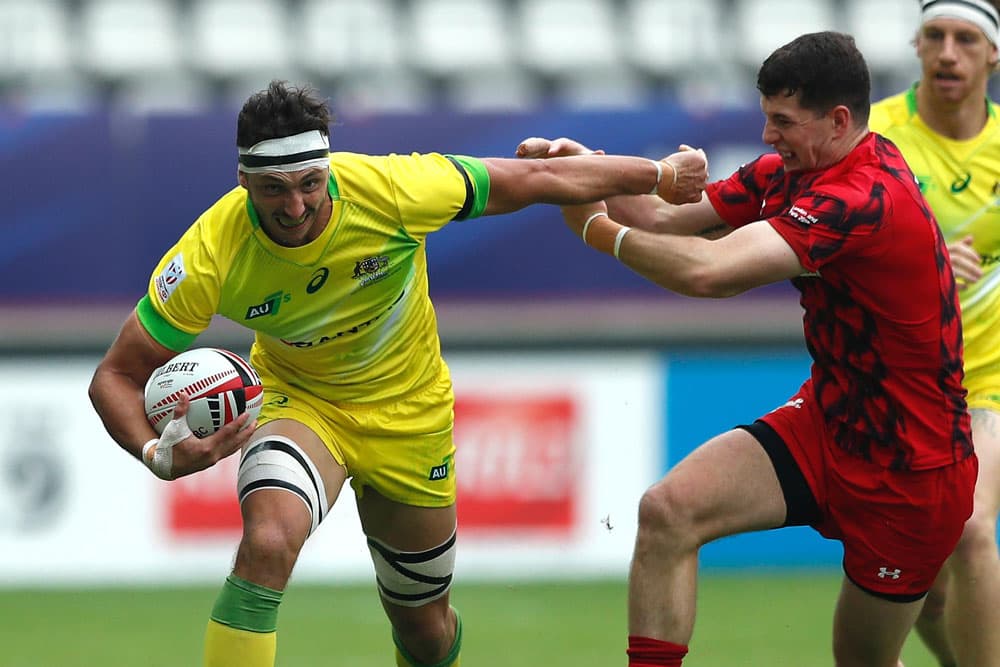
(241, 632)
(247, 606)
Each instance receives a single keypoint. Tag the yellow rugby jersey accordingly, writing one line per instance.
(961, 182)
(347, 316)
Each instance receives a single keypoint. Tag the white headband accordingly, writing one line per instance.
(294, 153)
(980, 13)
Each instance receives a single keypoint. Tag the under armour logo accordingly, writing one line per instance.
(794, 403)
(886, 573)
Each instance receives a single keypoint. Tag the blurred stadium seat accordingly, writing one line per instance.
(882, 30)
(355, 47)
(342, 37)
(566, 37)
(35, 38)
(409, 54)
(575, 47)
(468, 46)
(135, 50)
(235, 39)
(37, 72)
(675, 38)
(761, 26)
(452, 37)
(123, 39)
(684, 50)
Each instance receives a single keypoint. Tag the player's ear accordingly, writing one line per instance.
(842, 117)
(242, 178)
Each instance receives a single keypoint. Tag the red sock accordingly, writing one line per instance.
(646, 652)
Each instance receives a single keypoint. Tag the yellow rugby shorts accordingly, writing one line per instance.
(402, 448)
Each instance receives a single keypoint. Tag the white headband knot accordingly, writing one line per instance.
(293, 153)
(980, 13)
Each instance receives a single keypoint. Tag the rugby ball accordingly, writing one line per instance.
(220, 384)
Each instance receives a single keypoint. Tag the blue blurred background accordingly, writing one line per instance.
(108, 193)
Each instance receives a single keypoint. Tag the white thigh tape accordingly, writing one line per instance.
(413, 578)
(275, 462)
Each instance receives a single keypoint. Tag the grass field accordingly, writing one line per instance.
(780, 620)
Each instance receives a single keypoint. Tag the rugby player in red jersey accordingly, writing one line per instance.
(874, 449)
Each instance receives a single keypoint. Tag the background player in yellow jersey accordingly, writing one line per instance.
(949, 133)
(322, 255)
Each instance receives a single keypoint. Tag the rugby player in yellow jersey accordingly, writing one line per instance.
(949, 133)
(322, 255)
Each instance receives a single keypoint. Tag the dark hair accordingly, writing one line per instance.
(825, 68)
(281, 111)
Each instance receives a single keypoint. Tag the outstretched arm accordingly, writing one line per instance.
(751, 256)
(649, 213)
(516, 183)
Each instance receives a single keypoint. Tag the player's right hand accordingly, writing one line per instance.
(178, 452)
(538, 147)
(966, 263)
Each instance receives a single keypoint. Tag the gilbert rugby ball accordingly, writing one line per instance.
(220, 384)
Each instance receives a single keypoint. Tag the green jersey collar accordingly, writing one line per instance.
(911, 102)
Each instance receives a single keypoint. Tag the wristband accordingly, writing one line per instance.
(146, 459)
(659, 176)
(605, 235)
(618, 239)
(673, 181)
(586, 225)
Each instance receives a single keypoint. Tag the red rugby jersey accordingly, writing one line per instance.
(881, 309)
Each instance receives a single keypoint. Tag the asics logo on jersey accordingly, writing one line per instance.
(961, 182)
(269, 306)
(318, 280)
